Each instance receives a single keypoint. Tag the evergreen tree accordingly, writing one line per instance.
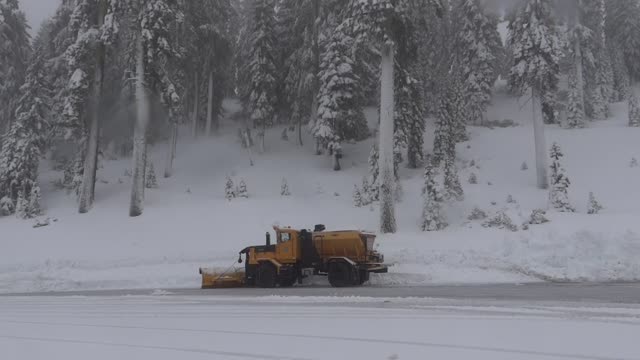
(623, 27)
(366, 192)
(15, 51)
(22, 205)
(536, 54)
(229, 189)
(152, 181)
(374, 173)
(409, 118)
(558, 196)
(621, 77)
(477, 47)
(575, 110)
(452, 187)
(340, 114)
(450, 123)
(25, 141)
(599, 80)
(357, 197)
(34, 207)
(242, 190)
(473, 178)
(582, 62)
(634, 111)
(594, 206)
(284, 189)
(432, 219)
(260, 67)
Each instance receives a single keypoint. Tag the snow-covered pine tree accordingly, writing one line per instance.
(582, 62)
(558, 195)
(432, 218)
(154, 50)
(473, 178)
(7, 207)
(599, 80)
(409, 117)
(357, 197)
(22, 205)
(634, 110)
(536, 55)
(151, 181)
(259, 95)
(284, 188)
(229, 189)
(340, 113)
(15, 50)
(594, 207)
(621, 76)
(623, 28)
(575, 107)
(477, 45)
(452, 187)
(34, 209)
(450, 124)
(24, 143)
(86, 64)
(242, 190)
(372, 188)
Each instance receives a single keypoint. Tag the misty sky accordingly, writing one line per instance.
(37, 11)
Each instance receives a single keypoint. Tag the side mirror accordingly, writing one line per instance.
(240, 259)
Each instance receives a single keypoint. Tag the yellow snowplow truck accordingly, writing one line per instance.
(347, 257)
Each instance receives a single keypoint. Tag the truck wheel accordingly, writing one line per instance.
(266, 276)
(287, 282)
(364, 277)
(340, 274)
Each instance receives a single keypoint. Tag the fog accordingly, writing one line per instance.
(37, 11)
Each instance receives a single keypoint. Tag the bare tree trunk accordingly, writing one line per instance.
(540, 145)
(139, 135)
(196, 108)
(88, 187)
(209, 105)
(386, 166)
(171, 154)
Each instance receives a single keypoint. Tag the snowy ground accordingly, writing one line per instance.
(188, 224)
(170, 327)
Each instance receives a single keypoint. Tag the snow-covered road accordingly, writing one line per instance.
(163, 326)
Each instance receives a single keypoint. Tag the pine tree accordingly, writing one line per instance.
(450, 123)
(24, 143)
(242, 190)
(151, 181)
(34, 207)
(284, 189)
(22, 205)
(477, 45)
(452, 187)
(575, 111)
(340, 113)
(7, 206)
(15, 51)
(634, 111)
(357, 197)
(409, 118)
(536, 55)
(259, 89)
(621, 77)
(579, 39)
(366, 192)
(623, 27)
(473, 178)
(229, 189)
(558, 196)
(432, 219)
(374, 172)
(599, 80)
(594, 206)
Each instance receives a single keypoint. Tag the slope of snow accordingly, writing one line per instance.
(169, 327)
(188, 224)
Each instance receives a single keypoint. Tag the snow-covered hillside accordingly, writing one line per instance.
(188, 223)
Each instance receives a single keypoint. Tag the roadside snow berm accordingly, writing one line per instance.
(347, 257)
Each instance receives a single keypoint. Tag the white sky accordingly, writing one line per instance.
(37, 11)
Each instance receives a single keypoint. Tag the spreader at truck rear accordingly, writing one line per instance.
(346, 257)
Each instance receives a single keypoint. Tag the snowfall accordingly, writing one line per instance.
(188, 224)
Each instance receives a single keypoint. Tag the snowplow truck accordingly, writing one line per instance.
(346, 257)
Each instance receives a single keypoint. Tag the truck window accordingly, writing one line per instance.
(285, 237)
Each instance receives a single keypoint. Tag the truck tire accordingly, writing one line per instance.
(267, 277)
(341, 274)
(364, 277)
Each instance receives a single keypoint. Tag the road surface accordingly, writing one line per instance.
(611, 292)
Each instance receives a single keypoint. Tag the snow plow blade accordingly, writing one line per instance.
(217, 280)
